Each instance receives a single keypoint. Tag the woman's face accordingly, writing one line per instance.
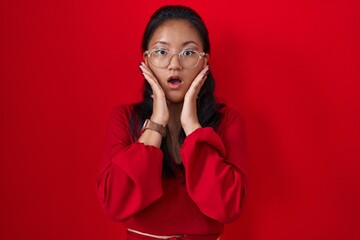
(175, 36)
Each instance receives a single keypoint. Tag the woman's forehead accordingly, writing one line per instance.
(176, 33)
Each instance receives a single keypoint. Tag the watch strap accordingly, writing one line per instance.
(148, 124)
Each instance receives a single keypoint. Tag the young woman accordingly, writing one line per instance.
(174, 163)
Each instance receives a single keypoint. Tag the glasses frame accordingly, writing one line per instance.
(200, 54)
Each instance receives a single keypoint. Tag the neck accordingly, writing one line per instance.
(174, 123)
(174, 127)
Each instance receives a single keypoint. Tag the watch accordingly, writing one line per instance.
(148, 124)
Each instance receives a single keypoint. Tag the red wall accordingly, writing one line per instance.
(291, 67)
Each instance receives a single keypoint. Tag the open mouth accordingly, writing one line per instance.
(174, 80)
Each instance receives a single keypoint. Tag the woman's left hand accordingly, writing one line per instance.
(188, 118)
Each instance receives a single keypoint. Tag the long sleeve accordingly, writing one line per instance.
(130, 176)
(215, 172)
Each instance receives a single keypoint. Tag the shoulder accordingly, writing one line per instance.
(122, 110)
(120, 115)
(229, 113)
(120, 120)
(230, 118)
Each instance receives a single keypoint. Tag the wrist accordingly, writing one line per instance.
(158, 120)
(154, 126)
(191, 128)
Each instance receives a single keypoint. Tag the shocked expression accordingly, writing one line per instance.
(175, 56)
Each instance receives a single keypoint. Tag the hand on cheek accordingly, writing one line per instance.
(189, 119)
(160, 113)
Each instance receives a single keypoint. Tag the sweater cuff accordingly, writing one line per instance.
(205, 135)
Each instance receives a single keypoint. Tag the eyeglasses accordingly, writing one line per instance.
(161, 58)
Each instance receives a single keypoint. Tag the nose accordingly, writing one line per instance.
(174, 62)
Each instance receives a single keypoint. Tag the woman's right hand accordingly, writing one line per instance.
(160, 112)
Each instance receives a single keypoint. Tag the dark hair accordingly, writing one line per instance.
(207, 107)
(176, 12)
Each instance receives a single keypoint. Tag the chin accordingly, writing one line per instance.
(175, 99)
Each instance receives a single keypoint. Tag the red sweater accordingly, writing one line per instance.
(132, 190)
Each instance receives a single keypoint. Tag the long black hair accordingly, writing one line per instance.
(207, 107)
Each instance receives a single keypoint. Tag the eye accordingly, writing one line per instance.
(188, 52)
(160, 52)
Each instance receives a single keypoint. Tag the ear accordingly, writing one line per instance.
(206, 59)
(146, 60)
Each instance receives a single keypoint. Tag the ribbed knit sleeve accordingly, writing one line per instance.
(130, 176)
(215, 168)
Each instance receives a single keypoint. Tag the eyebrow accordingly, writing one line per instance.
(161, 42)
(184, 44)
(189, 42)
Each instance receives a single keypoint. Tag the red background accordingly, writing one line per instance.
(291, 67)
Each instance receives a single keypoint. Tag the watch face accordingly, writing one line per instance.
(146, 123)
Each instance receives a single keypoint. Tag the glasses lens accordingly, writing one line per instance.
(160, 58)
(189, 58)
